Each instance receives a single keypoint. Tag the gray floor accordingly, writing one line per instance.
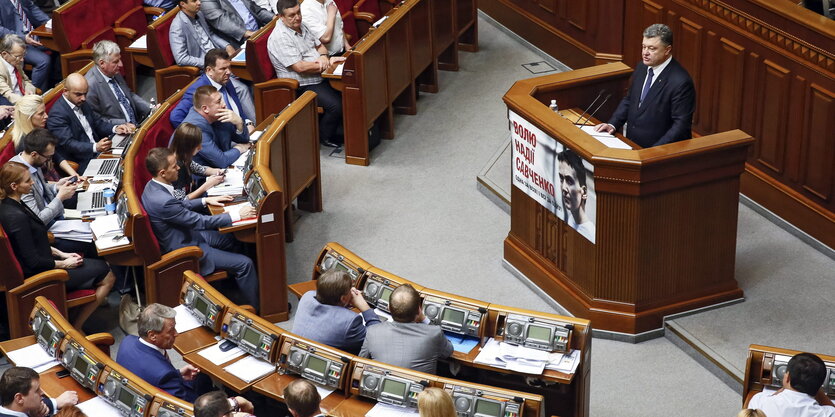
(416, 212)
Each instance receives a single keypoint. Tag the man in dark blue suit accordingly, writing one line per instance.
(177, 224)
(659, 106)
(21, 395)
(220, 127)
(81, 133)
(20, 17)
(217, 74)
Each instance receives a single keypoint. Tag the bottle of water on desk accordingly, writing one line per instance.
(554, 107)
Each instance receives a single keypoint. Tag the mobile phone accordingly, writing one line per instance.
(62, 373)
(227, 345)
(73, 179)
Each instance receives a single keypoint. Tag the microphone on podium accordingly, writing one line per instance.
(605, 99)
(590, 105)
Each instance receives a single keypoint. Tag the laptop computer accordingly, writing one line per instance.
(102, 168)
(91, 203)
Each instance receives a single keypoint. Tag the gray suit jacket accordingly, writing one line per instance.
(334, 326)
(408, 345)
(226, 21)
(104, 102)
(185, 44)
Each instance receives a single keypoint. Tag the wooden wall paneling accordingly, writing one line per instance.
(797, 128)
(424, 64)
(688, 38)
(399, 62)
(278, 158)
(750, 100)
(578, 14)
(302, 170)
(550, 6)
(444, 36)
(706, 92)
(773, 111)
(819, 146)
(730, 70)
(466, 14)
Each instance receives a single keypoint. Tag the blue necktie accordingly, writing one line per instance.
(123, 101)
(226, 98)
(646, 85)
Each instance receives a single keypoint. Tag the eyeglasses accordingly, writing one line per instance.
(46, 156)
(21, 56)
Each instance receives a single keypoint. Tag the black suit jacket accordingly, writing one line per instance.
(73, 143)
(28, 236)
(666, 114)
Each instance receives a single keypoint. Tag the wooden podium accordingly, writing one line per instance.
(666, 217)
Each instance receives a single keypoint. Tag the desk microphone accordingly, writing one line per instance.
(598, 107)
(590, 105)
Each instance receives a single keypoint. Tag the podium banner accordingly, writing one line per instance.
(553, 175)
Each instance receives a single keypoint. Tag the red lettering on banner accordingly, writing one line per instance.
(524, 133)
(523, 150)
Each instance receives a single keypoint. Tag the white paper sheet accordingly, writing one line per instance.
(141, 43)
(322, 390)
(605, 138)
(106, 225)
(31, 356)
(338, 69)
(108, 242)
(229, 208)
(46, 366)
(98, 407)
(217, 357)
(568, 363)
(241, 55)
(253, 137)
(233, 183)
(185, 321)
(48, 24)
(250, 368)
(388, 410)
(241, 159)
(72, 214)
(520, 352)
(383, 315)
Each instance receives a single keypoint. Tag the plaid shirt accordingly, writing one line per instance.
(287, 47)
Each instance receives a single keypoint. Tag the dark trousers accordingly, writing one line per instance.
(45, 67)
(331, 101)
(225, 253)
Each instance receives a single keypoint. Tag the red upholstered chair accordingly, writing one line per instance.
(21, 291)
(366, 12)
(76, 25)
(170, 77)
(6, 148)
(349, 20)
(271, 94)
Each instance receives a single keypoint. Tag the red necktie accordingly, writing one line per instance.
(20, 81)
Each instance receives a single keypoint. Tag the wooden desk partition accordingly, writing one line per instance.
(765, 368)
(291, 153)
(666, 217)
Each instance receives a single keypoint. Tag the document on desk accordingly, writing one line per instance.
(106, 225)
(338, 69)
(253, 137)
(383, 315)
(98, 407)
(241, 161)
(249, 220)
(567, 363)
(605, 138)
(141, 43)
(218, 357)
(31, 356)
(233, 184)
(514, 358)
(111, 241)
(241, 55)
(72, 230)
(185, 321)
(388, 410)
(48, 24)
(250, 368)
(72, 214)
(461, 343)
(322, 390)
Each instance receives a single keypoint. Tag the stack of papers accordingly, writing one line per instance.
(72, 230)
(185, 321)
(605, 138)
(32, 356)
(253, 137)
(250, 368)
(388, 410)
(99, 407)
(217, 356)
(107, 231)
(236, 207)
(233, 184)
(141, 43)
(338, 69)
(526, 360)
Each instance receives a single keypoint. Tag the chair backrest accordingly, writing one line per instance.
(12, 275)
(135, 19)
(344, 6)
(75, 22)
(369, 6)
(6, 147)
(257, 57)
(349, 26)
(113, 10)
(159, 47)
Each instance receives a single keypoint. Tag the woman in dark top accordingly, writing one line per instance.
(30, 242)
(186, 142)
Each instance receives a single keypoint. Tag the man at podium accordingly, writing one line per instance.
(659, 106)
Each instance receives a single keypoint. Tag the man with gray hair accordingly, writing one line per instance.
(147, 356)
(14, 83)
(659, 106)
(108, 93)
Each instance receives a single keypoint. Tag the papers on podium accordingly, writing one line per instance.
(461, 343)
(107, 231)
(241, 55)
(98, 407)
(233, 184)
(605, 138)
(249, 369)
(32, 356)
(388, 410)
(185, 321)
(322, 390)
(141, 43)
(526, 360)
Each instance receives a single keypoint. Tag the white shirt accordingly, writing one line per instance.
(113, 89)
(13, 78)
(315, 17)
(231, 103)
(790, 403)
(145, 342)
(83, 120)
(656, 71)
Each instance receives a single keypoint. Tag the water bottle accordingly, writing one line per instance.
(554, 107)
(153, 103)
(109, 200)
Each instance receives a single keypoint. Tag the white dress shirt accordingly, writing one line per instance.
(789, 403)
(315, 17)
(83, 120)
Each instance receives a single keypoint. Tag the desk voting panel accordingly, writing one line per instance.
(766, 366)
(377, 285)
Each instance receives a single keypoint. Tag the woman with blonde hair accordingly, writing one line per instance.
(30, 242)
(435, 402)
(29, 114)
(750, 412)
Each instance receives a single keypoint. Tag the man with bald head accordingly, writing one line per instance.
(409, 341)
(220, 126)
(81, 133)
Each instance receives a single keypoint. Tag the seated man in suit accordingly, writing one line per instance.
(14, 83)
(324, 315)
(21, 395)
(81, 133)
(217, 74)
(177, 224)
(146, 355)
(191, 39)
(296, 53)
(21, 21)
(109, 95)
(217, 404)
(801, 394)
(659, 106)
(235, 20)
(302, 398)
(220, 127)
(409, 341)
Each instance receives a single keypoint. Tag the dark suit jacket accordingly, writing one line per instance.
(150, 365)
(73, 143)
(667, 112)
(217, 149)
(10, 22)
(227, 23)
(103, 100)
(28, 236)
(334, 326)
(187, 102)
(177, 225)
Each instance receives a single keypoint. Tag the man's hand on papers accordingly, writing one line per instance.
(247, 211)
(67, 398)
(604, 127)
(218, 200)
